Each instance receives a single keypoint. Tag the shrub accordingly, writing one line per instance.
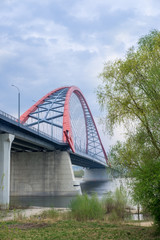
(115, 204)
(84, 207)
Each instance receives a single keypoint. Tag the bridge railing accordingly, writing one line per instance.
(8, 116)
(37, 131)
(82, 151)
(79, 150)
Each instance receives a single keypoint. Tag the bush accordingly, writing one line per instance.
(86, 208)
(115, 204)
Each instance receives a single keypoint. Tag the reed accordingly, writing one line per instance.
(115, 204)
(84, 207)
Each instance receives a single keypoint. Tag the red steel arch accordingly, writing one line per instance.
(67, 128)
(66, 117)
(24, 117)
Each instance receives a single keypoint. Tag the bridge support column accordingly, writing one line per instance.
(103, 174)
(42, 174)
(5, 149)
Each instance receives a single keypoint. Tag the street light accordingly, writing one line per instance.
(38, 114)
(18, 101)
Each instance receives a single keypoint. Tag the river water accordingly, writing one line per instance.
(100, 188)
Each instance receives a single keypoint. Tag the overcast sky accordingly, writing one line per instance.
(45, 44)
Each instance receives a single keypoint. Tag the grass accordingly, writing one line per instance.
(51, 214)
(17, 213)
(86, 220)
(3, 213)
(86, 208)
(72, 229)
(115, 205)
(52, 224)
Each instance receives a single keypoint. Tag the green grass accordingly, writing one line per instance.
(72, 229)
(115, 205)
(86, 208)
(51, 213)
(86, 220)
(3, 213)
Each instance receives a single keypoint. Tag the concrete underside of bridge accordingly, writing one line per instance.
(42, 174)
(34, 173)
(5, 148)
(39, 173)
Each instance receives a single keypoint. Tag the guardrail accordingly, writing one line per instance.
(82, 151)
(8, 116)
(41, 133)
(38, 132)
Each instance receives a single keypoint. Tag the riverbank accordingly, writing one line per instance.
(11, 215)
(16, 214)
(40, 223)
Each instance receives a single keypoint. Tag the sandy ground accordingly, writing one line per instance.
(38, 210)
(28, 212)
(142, 224)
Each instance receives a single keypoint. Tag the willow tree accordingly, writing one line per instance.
(130, 95)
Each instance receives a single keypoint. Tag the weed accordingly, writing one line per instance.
(18, 215)
(72, 229)
(85, 208)
(115, 204)
(51, 213)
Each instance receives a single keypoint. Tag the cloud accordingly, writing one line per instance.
(51, 43)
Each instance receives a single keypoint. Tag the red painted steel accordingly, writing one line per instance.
(24, 117)
(67, 129)
(105, 155)
(66, 118)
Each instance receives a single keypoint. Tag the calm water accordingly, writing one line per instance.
(87, 187)
(101, 188)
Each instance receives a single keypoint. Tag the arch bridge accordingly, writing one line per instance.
(65, 116)
(36, 152)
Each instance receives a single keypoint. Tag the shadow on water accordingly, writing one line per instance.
(64, 201)
(41, 201)
(98, 187)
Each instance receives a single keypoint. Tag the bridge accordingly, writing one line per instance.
(37, 150)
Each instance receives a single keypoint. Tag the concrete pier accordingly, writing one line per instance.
(42, 174)
(5, 149)
(103, 174)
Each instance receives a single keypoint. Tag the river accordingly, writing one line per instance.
(100, 188)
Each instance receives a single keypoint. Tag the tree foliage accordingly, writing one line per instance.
(130, 95)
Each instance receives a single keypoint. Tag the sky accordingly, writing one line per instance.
(46, 44)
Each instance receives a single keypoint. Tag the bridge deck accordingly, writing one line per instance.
(28, 139)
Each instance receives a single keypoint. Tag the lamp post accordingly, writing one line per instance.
(18, 101)
(38, 115)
